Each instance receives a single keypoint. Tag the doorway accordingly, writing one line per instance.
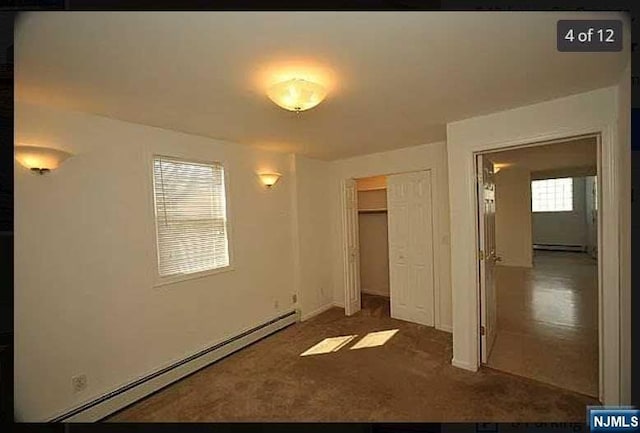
(388, 232)
(540, 294)
(373, 242)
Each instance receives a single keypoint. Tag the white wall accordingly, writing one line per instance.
(513, 216)
(425, 157)
(84, 258)
(313, 227)
(564, 228)
(595, 111)
(374, 253)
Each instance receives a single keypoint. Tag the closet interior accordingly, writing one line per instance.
(373, 234)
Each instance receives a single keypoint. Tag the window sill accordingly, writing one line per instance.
(552, 211)
(181, 278)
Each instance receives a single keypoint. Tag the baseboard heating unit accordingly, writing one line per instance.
(575, 248)
(122, 397)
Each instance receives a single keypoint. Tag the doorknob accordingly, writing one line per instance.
(498, 258)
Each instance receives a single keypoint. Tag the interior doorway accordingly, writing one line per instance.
(388, 232)
(540, 288)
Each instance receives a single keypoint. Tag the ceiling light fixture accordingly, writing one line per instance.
(297, 94)
(38, 159)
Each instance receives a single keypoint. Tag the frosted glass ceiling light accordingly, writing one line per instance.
(297, 94)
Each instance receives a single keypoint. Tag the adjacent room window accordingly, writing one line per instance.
(552, 195)
(191, 217)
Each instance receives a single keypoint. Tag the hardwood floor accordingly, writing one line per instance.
(548, 321)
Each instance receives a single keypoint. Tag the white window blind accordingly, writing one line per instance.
(191, 217)
(552, 195)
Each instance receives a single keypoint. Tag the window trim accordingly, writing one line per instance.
(554, 211)
(160, 281)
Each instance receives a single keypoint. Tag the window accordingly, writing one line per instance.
(552, 195)
(191, 217)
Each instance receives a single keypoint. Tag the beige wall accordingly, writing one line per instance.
(84, 258)
(425, 157)
(376, 199)
(374, 253)
(371, 183)
(312, 226)
(513, 216)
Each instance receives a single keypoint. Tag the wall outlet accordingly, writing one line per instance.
(294, 298)
(79, 382)
(276, 304)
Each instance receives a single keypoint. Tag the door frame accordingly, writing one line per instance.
(611, 320)
(344, 246)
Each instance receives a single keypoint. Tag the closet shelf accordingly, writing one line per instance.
(373, 188)
(371, 210)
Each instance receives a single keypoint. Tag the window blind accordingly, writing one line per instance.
(191, 217)
(552, 195)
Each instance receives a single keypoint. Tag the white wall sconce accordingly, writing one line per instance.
(269, 179)
(38, 159)
(497, 167)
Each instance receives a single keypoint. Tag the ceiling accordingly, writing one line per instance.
(394, 78)
(572, 154)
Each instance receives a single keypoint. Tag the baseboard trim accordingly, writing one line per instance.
(384, 293)
(122, 397)
(445, 328)
(464, 365)
(317, 311)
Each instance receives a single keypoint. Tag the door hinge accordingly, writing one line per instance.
(480, 255)
(482, 331)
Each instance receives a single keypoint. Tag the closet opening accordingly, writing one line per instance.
(388, 246)
(374, 245)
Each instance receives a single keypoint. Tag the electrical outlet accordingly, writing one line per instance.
(79, 382)
(276, 304)
(294, 298)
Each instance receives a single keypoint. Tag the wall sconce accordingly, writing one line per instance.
(269, 179)
(497, 167)
(40, 160)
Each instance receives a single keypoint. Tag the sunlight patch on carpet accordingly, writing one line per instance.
(328, 345)
(374, 339)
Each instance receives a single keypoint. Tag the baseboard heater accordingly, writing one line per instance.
(551, 247)
(122, 397)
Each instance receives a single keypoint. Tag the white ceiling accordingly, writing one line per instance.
(578, 153)
(395, 78)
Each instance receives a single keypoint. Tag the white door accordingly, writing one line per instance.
(487, 255)
(409, 212)
(352, 250)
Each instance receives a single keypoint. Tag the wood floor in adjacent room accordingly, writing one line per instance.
(548, 321)
(367, 367)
